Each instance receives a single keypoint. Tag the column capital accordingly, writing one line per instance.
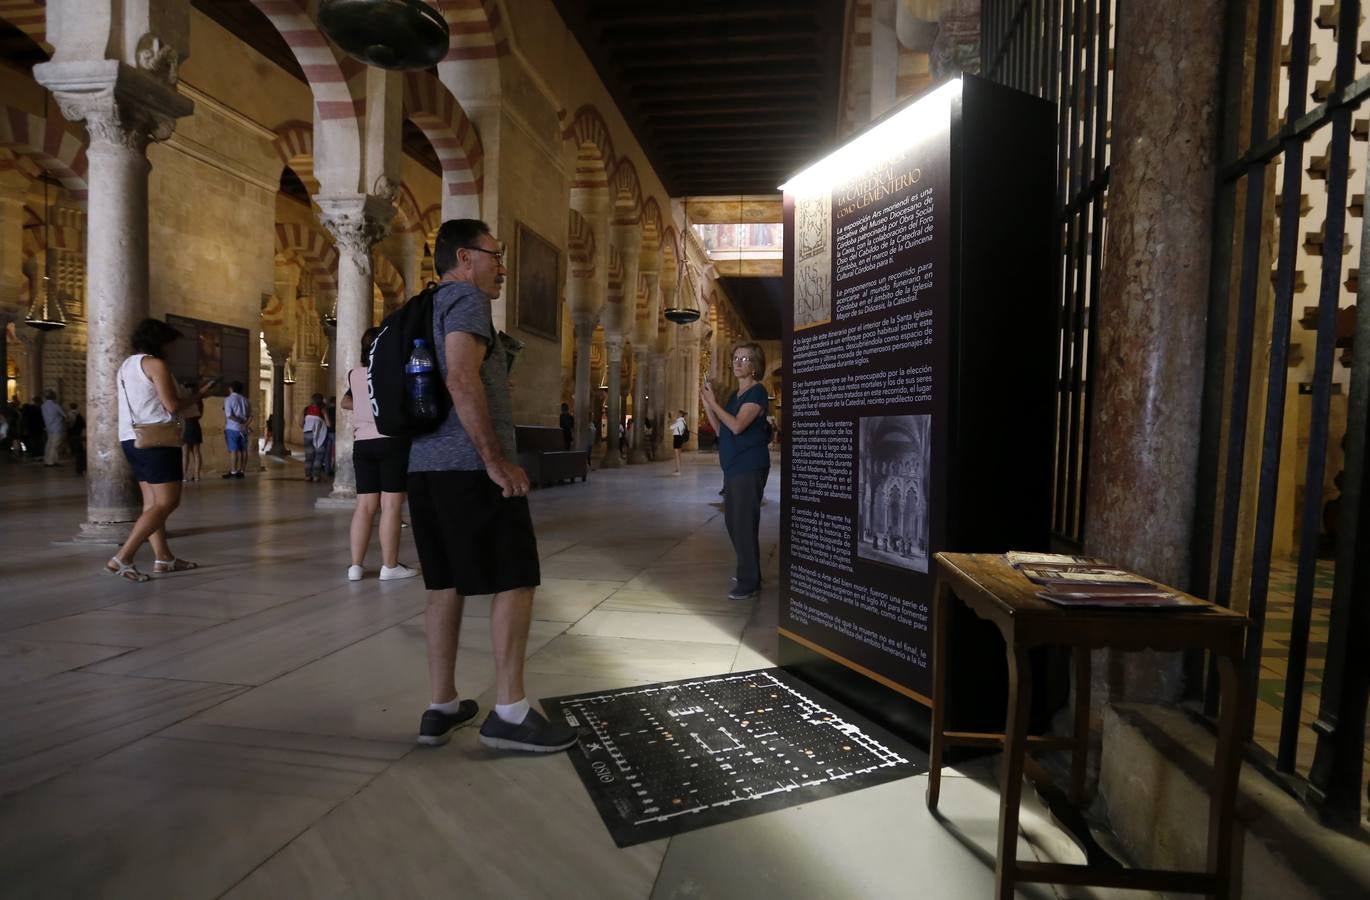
(584, 319)
(120, 105)
(613, 346)
(357, 222)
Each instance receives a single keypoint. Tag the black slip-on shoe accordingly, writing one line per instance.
(534, 734)
(436, 726)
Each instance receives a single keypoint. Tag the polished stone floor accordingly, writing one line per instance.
(246, 729)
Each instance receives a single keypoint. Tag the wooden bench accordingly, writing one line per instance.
(541, 455)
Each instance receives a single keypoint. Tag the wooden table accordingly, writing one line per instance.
(996, 592)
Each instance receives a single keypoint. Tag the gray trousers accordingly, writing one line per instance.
(742, 512)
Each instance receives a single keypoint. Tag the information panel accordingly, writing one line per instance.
(864, 502)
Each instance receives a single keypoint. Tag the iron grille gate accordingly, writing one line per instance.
(1236, 536)
(1060, 50)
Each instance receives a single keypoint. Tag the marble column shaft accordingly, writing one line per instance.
(613, 351)
(1147, 364)
(123, 109)
(637, 451)
(279, 357)
(585, 332)
(357, 224)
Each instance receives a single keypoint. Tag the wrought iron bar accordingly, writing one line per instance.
(1248, 286)
(1281, 324)
(1323, 362)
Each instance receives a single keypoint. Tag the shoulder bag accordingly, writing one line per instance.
(153, 434)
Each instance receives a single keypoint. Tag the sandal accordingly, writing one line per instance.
(125, 570)
(175, 564)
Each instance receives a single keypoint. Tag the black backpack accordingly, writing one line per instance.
(385, 378)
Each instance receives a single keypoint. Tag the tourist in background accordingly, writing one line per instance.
(237, 419)
(568, 427)
(76, 438)
(315, 431)
(382, 468)
(330, 421)
(746, 462)
(54, 427)
(192, 435)
(147, 396)
(680, 433)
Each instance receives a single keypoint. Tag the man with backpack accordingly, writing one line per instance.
(468, 501)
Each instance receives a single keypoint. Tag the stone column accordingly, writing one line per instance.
(123, 110)
(357, 223)
(1150, 331)
(637, 451)
(613, 352)
(585, 333)
(661, 414)
(279, 357)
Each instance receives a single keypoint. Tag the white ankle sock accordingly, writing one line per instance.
(513, 713)
(448, 708)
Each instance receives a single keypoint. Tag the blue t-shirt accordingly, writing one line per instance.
(459, 306)
(745, 452)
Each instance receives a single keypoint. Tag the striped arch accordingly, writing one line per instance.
(642, 302)
(30, 18)
(388, 281)
(431, 217)
(316, 252)
(615, 273)
(590, 134)
(651, 225)
(431, 106)
(477, 29)
(408, 218)
(626, 191)
(49, 144)
(580, 247)
(295, 146)
(327, 81)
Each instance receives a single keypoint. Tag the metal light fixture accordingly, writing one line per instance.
(681, 314)
(388, 34)
(46, 313)
(289, 376)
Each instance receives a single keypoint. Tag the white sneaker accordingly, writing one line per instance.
(396, 572)
(354, 573)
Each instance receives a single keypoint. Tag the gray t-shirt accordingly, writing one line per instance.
(459, 306)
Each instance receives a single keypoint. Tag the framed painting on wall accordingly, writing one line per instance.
(537, 282)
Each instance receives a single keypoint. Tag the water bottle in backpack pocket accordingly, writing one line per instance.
(421, 383)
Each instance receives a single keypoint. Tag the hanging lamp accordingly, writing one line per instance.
(681, 314)
(388, 34)
(46, 313)
(288, 376)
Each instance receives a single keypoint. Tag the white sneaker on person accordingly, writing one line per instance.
(354, 573)
(396, 572)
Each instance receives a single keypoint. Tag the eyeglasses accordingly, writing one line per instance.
(742, 357)
(497, 254)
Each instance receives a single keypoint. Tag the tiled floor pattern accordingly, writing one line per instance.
(246, 729)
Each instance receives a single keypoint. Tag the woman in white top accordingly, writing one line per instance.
(381, 465)
(680, 433)
(147, 396)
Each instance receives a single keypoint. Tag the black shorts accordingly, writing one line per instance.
(469, 536)
(382, 464)
(155, 465)
(678, 441)
(191, 434)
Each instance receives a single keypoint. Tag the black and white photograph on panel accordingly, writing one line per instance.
(661, 759)
(894, 453)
